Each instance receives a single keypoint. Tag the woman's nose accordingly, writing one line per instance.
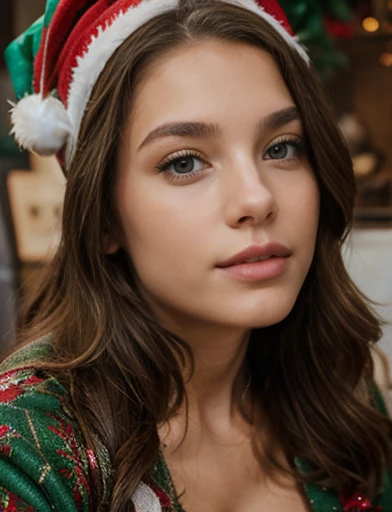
(249, 196)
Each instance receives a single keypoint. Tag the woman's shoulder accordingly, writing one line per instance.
(44, 462)
(24, 385)
(28, 355)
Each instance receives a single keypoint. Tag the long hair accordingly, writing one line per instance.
(125, 371)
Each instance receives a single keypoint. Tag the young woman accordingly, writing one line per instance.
(198, 344)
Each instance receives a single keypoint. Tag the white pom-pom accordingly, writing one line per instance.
(40, 125)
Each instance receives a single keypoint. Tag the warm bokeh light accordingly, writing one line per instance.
(386, 59)
(370, 24)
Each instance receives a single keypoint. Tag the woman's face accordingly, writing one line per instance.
(214, 161)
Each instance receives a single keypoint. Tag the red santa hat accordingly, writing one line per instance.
(76, 40)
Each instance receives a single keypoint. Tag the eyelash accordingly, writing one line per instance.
(172, 159)
(296, 142)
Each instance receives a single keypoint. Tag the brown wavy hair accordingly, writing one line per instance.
(125, 371)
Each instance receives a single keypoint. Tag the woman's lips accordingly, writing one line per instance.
(258, 270)
(257, 251)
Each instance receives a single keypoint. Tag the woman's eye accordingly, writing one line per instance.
(185, 166)
(284, 150)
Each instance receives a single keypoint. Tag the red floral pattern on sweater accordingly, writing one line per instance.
(71, 452)
(11, 503)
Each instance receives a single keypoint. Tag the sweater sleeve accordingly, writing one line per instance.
(44, 464)
(9, 501)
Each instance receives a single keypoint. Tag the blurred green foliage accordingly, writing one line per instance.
(310, 19)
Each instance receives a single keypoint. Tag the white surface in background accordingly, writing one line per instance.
(368, 257)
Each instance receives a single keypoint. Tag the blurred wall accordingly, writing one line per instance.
(16, 16)
(368, 257)
(365, 87)
(25, 12)
(7, 285)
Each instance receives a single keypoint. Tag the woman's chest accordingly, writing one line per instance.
(205, 496)
(229, 479)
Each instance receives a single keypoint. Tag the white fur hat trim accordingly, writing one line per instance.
(40, 125)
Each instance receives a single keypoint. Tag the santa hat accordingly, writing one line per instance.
(55, 64)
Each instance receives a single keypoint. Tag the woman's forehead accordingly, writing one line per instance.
(213, 81)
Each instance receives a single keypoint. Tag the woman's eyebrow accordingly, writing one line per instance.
(183, 129)
(199, 129)
(280, 118)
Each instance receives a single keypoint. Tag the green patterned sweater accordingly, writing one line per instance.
(45, 465)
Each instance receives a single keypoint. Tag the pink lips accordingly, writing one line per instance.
(259, 270)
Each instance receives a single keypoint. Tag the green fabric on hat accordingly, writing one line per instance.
(19, 57)
(20, 54)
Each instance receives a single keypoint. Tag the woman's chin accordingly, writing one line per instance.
(249, 318)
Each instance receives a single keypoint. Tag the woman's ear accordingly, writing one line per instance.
(110, 244)
(112, 236)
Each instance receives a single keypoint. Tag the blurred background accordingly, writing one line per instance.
(350, 42)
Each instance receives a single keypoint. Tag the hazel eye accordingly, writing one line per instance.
(280, 151)
(287, 149)
(185, 165)
(182, 165)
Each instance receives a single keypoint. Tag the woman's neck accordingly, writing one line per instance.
(216, 388)
(219, 376)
